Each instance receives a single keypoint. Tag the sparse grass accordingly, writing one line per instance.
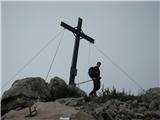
(108, 94)
(104, 95)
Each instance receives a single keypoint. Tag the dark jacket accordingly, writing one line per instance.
(96, 72)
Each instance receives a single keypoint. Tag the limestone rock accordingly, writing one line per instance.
(59, 89)
(49, 111)
(24, 92)
(152, 94)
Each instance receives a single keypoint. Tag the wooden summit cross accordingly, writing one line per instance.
(78, 35)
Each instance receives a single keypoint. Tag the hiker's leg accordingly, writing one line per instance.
(92, 92)
(95, 93)
(94, 89)
(97, 85)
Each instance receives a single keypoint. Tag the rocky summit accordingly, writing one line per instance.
(34, 99)
(25, 92)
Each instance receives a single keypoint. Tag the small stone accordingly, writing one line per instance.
(139, 115)
(147, 114)
(140, 110)
(131, 114)
(118, 117)
(157, 114)
(99, 110)
(152, 105)
(111, 112)
(107, 116)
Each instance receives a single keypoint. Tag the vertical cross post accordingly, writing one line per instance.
(73, 70)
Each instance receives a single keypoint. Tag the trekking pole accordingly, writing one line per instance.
(82, 82)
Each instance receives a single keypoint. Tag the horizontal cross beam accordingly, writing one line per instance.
(77, 32)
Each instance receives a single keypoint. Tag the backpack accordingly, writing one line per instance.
(91, 72)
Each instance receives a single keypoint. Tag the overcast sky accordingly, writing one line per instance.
(127, 32)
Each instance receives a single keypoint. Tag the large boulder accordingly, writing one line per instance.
(78, 91)
(152, 94)
(59, 89)
(25, 92)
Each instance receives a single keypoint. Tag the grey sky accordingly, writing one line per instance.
(125, 31)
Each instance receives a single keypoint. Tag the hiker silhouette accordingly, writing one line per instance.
(94, 73)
